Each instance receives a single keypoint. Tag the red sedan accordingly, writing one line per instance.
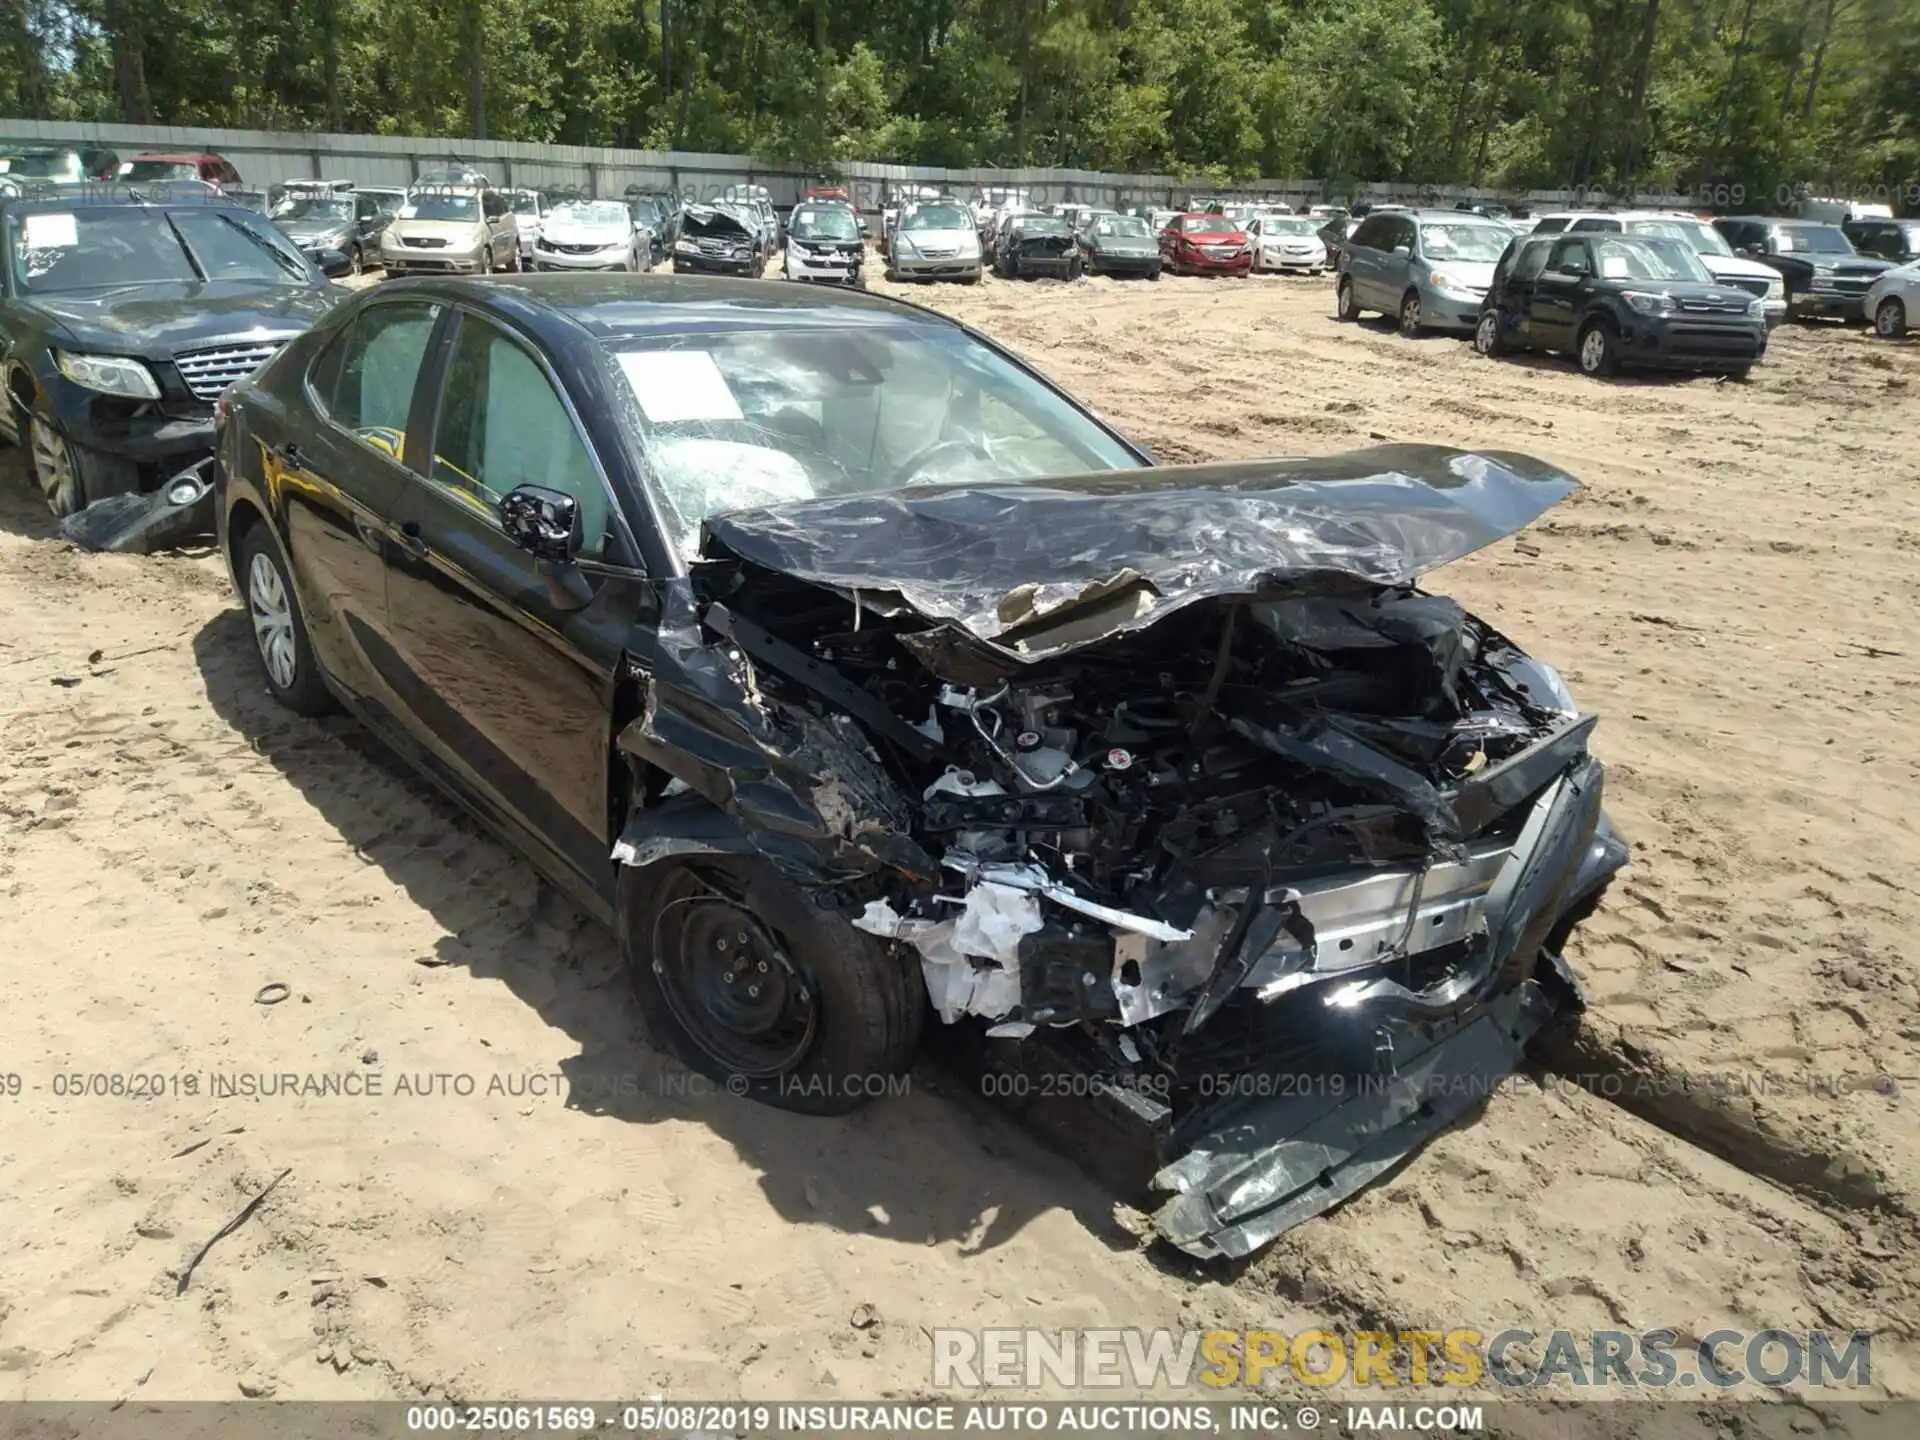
(1206, 245)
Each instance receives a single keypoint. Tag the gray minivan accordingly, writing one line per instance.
(1428, 268)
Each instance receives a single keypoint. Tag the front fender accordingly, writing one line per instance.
(680, 825)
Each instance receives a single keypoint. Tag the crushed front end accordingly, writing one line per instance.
(1274, 863)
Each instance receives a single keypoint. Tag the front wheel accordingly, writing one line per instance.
(71, 477)
(1598, 354)
(357, 261)
(279, 629)
(740, 976)
(486, 259)
(1344, 305)
(1890, 319)
(1410, 321)
(1154, 273)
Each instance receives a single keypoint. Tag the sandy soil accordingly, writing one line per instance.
(1735, 595)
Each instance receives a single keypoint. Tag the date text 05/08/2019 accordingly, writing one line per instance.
(836, 1418)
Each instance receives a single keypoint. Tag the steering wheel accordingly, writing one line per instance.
(915, 463)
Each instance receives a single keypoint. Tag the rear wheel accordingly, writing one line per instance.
(1890, 318)
(1738, 372)
(71, 477)
(486, 258)
(279, 629)
(1597, 353)
(1345, 306)
(1487, 338)
(742, 978)
(357, 260)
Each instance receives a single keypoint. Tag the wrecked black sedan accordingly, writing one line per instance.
(857, 675)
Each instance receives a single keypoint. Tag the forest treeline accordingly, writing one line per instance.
(1764, 95)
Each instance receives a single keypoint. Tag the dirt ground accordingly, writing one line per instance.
(1729, 1139)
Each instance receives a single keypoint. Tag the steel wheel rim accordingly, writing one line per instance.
(53, 468)
(272, 614)
(1593, 350)
(1483, 336)
(708, 960)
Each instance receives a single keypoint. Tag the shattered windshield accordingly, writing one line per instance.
(736, 421)
(314, 207)
(1122, 225)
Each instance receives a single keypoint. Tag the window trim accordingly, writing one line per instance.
(437, 317)
(458, 314)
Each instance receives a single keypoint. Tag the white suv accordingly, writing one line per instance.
(1705, 241)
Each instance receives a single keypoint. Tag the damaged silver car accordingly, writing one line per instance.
(869, 684)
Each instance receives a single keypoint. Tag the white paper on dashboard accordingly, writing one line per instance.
(57, 230)
(678, 385)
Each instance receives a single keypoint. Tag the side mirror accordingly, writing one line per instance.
(544, 523)
(1403, 250)
(334, 263)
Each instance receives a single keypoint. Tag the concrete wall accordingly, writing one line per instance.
(268, 157)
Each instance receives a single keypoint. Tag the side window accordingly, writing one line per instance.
(1594, 222)
(365, 207)
(1402, 231)
(492, 206)
(1571, 257)
(502, 425)
(1531, 260)
(1368, 235)
(1552, 225)
(379, 362)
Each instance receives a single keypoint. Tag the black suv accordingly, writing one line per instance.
(1825, 275)
(1897, 241)
(1614, 300)
(121, 323)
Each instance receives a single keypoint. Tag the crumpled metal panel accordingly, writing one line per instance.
(1041, 566)
(808, 792)
(1293, 1158)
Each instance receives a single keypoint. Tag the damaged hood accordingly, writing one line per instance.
(1037, 567)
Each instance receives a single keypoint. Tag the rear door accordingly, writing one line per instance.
(338, 482)
(509, 687)
(1396, 269)
(1515, 294)
(1363, 260)
(1558, 292)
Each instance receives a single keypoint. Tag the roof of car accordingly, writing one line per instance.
(180, 155)
(609, 305)
(83, 200)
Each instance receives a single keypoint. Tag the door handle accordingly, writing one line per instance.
(288, 451)
(410, 539)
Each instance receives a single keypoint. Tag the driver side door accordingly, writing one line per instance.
(508, 681)
(1558, 293)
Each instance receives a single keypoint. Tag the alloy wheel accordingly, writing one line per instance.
(1890, 320)
(1485, 333)
(272, 613)
(1593, 350)
(1410, 315)
(357, 261)
(53, 467)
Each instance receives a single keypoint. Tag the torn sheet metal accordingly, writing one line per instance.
(1014, 563)
(1267, 1168)
(806, 790)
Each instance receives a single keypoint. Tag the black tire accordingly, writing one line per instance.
(301, 689)
(1488, 338)
(1738, 372)
(1890, 318)
(1409, 319)
(1345, 307)
(71, 477)
(357, 260)
(841, 1011)
(486, 258)
(1154, 273)
(1600, 357)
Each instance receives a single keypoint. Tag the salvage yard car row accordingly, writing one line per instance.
(862, 679)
